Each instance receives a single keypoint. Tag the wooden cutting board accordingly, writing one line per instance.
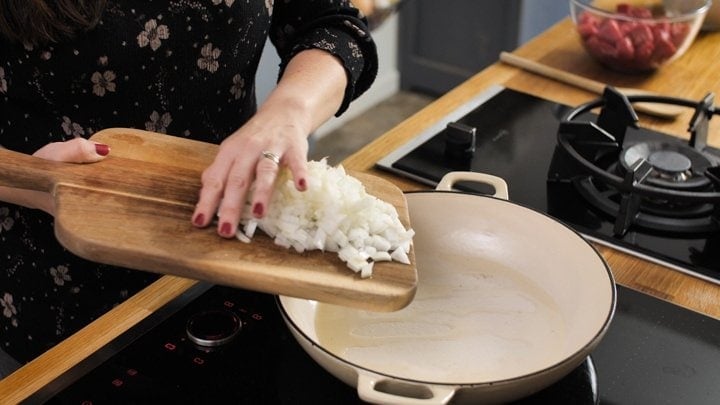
(133, 210)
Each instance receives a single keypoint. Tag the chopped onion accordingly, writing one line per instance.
(334, 214)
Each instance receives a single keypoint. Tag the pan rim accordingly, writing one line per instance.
(574, 357)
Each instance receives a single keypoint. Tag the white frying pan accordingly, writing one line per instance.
(509, 301)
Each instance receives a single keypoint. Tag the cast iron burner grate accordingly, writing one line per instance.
(514, 135)
(668, 185)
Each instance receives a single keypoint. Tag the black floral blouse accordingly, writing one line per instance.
(181, 67)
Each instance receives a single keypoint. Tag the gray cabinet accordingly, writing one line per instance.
(442, 43)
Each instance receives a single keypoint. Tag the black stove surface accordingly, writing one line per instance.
(516, 140)
(654, 352)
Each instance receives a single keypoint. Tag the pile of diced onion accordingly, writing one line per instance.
(334, 214)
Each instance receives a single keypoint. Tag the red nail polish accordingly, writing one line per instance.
(199, 220)
(258, 209)
(226, 229)
(102, 149)
(302, 184)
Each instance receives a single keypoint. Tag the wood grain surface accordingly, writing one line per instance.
(133, 209)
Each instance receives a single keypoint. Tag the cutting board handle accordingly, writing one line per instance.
(28, 172)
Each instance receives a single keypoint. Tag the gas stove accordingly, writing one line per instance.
(647, 193)
(219, 344)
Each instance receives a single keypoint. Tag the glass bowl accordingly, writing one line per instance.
(637, 36)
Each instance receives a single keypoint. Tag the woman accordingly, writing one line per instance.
(182, 67)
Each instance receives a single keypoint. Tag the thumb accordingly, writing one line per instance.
(77, 150)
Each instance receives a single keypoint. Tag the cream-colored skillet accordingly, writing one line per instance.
(509, 301)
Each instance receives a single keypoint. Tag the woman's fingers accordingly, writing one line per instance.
(243, 175)
(76, 150)
(226, 187)
(234, 197)
(297, 163)
(211, 193)
(266, 172)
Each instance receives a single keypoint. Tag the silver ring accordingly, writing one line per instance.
(273, 157)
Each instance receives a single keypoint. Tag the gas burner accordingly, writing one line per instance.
(657, 185)
(675, 165)
(663, 216)
(555, 170)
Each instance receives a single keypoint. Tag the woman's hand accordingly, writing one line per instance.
(310, 91)
(77, 150)
(240, 164)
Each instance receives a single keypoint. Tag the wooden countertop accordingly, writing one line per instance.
(692, 76)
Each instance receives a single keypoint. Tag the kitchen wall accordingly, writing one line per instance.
(538, 15)
(442, 44)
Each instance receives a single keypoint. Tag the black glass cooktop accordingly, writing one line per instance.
(161, 363)
(653, 353)
(516, 140)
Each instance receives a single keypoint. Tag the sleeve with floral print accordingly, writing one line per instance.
(331, 25)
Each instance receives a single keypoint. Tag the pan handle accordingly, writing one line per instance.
(500, 186)
(367, 391)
